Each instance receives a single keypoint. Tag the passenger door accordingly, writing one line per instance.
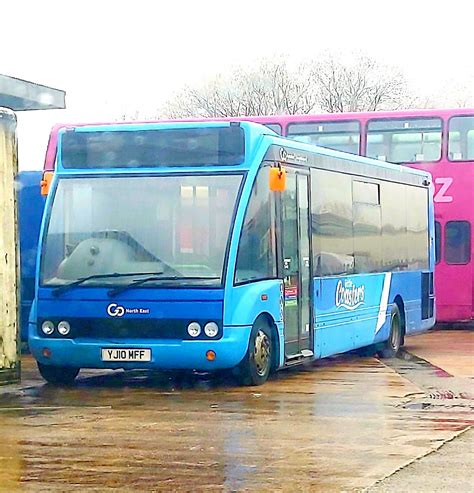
(295, 214)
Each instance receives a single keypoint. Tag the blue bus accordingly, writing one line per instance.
(30, 212)
(220, 245)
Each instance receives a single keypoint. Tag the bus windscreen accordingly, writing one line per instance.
(140, 148)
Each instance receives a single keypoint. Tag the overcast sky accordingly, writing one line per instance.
(112, 57)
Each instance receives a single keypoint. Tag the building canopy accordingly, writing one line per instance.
(21, 95)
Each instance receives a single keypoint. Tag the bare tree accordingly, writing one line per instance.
(270, 88)
(277, 87)
(455, 94)
(361, 84)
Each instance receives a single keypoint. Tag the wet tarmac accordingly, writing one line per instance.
(451, 350)
(342, 424)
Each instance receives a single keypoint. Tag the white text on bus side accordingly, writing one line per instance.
(440, 195)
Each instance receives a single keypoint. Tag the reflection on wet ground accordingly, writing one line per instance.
(339, 425)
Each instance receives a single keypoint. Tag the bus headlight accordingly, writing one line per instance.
(64, 328)
(47, 327)
(211, 329)
(194, 329)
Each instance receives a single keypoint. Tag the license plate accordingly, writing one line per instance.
(115, 354)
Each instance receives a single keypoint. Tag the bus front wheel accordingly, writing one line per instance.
(58, 375)
(391, 347)
(257, 363)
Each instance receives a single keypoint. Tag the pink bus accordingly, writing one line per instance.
(438, 141)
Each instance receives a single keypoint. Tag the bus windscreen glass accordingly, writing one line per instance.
(176, 227)
(153, 148)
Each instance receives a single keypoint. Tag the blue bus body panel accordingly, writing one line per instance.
(354, 311)
(243, 304)
(168, 294)
(246, 302)
(139, 303)
(30, 211)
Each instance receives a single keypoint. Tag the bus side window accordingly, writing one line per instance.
(394, 226)
(331, 219)
(461, 138)
(457, 242)
(417, 227)
(437, 242)
(256, 257)
(340, 136)
(367, 226)
(406, 140)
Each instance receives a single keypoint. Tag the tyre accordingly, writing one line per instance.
(58, 375)
(391, 347)
(257, 363)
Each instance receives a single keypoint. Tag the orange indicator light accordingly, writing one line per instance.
(46, 352)
(45, 183)
(210, 356)
(264, 297)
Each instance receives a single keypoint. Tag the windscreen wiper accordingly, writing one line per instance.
(62, 289)
(139, 282)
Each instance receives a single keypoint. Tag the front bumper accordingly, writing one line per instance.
(167, 354)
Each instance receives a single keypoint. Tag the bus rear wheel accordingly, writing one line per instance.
(257, 363)
(391, 347)
(58, 375)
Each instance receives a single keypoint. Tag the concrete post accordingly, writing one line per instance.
(9, 256)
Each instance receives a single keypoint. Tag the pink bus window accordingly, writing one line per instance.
(457, 242)
(276, 127)
(461, 138)
(437, 242)
(341, 136)
(406, 140)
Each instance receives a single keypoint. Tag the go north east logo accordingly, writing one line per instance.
(115, 310)
(348, 295)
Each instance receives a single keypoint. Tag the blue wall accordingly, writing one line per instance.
(30, 212)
